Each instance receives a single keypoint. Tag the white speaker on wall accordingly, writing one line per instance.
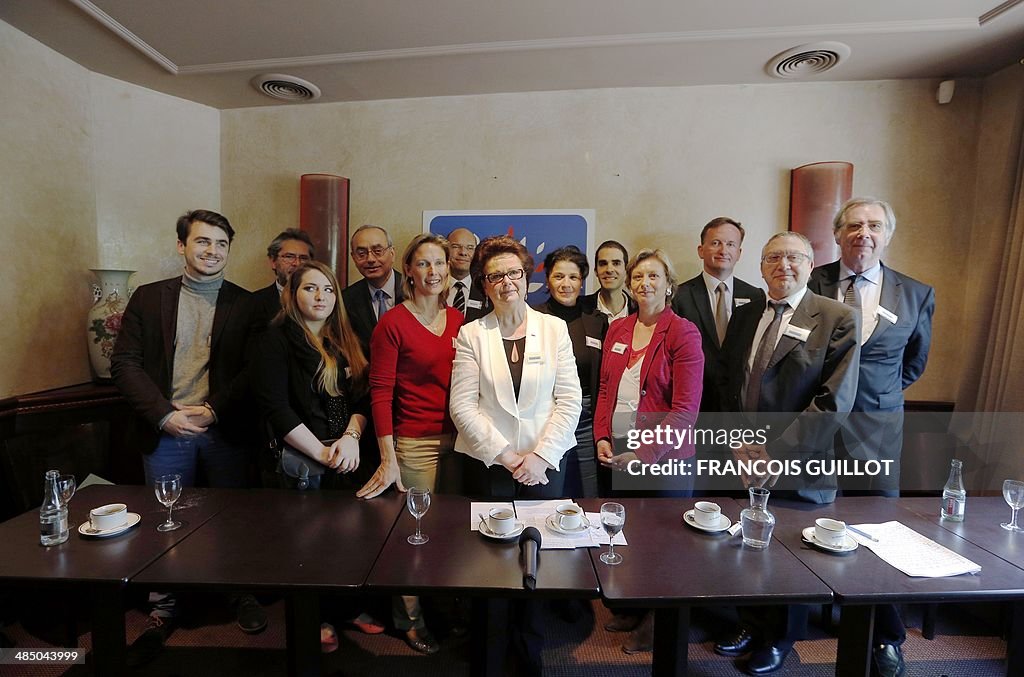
(945, 92)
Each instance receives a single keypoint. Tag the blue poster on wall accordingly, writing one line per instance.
(541, 231)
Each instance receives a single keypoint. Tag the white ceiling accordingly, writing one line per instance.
(209, 50)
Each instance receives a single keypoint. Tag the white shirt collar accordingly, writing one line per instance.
(872, 274)
(712, 282)
(793, 300)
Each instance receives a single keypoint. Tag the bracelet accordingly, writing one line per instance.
(354, 434)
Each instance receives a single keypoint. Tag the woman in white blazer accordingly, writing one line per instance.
(515, 393)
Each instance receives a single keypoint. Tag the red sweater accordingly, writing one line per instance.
(411, 374)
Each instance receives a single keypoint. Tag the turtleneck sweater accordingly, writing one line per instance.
(197, 304)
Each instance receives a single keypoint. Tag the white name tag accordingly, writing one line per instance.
(473, 303)
(619, 348)
(799, 333)
(882, 312)
(593, 342)
(535, 359)
(741, 302)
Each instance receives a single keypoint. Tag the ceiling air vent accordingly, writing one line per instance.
(807, 60)
(285, 87)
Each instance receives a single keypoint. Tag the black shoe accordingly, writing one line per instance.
(251, 616)
(737, 645)
(766, 659)
(887, 661)
(150, 643)
(422, 640)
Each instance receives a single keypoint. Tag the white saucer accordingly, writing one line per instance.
(849, 544)
(486, 531)
(552, 523)
(723, 523)
(86, 529)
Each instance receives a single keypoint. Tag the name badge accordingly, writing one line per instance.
(536, 358)
(619, 348)
(473, 303)
(593, 342)
(799, 333)
(889, 315)
(741, 302)
(348, 373)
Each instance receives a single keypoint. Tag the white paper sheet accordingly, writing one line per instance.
(912, 553)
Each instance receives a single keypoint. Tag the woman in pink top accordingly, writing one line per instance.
(411, 353)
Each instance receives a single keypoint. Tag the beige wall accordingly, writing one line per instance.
(655, 163)
(92, 169)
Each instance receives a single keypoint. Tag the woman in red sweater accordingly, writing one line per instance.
(411, 353)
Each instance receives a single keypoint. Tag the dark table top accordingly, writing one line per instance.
(457, 559)
(980, 526)
(861, 577)
(113, 559)
(269, 538)
(667, 562)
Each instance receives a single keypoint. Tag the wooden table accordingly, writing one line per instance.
(861, 580)
(300, 544)
(672, 567)
(104, 566)
(463, 562)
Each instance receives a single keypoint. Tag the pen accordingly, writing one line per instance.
(862, 533)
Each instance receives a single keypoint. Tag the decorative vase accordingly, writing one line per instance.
(110, 297)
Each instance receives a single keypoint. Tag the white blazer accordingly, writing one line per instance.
(487, 416)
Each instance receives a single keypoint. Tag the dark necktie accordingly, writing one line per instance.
(762, 357)
(721, 315)
(382, 303)
(852, 297)
(460, 298)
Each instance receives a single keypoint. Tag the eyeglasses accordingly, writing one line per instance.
(792, 259)
(514, 274)
(292, 258)
(361, 253)
(468, 248)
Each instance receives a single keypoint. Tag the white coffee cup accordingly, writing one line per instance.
(501, 520)
(110, 516)
(569, 516)
(829, 531)
(706, 513)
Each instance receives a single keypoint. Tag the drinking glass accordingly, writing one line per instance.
(66, 486)
(613, 518)
(1013, 493)
(418, 501)
(168, 490)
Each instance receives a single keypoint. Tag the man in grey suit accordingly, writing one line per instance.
(798, 358)
(286, 252)
(380, 290)
(896, 327)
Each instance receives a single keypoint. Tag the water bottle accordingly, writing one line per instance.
(954, 496)
(757, 522)
(53, 513)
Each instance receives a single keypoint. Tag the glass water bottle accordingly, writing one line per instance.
(954, 496)
(756, 521)
(53, 513)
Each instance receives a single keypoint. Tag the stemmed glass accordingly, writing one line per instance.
(1013, 493)
(613, 518)
(168, 490)
(418, 501)
(66, 486)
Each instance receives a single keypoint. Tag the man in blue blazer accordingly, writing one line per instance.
(896, 329)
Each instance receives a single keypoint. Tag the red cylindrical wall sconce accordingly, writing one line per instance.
(323, 213)
(817, 191)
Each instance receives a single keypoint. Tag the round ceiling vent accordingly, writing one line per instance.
(285, 87)
(807, 60)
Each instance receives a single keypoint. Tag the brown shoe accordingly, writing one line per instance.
(641, 639)
(623, 622)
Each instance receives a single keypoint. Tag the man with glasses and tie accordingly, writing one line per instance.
(380, 290)
(289, 250)
(793, 367)
(895, 335)
(462, 294)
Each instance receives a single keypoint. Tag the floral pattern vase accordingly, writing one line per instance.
(110, 297)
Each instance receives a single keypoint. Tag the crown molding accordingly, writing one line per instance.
(122, 32)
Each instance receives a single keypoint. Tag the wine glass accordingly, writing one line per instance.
(66, 486)
(613, 518)
(1013, 493)
(168, 490)
(418, 501)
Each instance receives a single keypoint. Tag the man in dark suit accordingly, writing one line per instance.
(611, 300)
(463, 295)
(799, 358)
(286, 252)
(180, 362)
(896, 327)
(380, 290)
